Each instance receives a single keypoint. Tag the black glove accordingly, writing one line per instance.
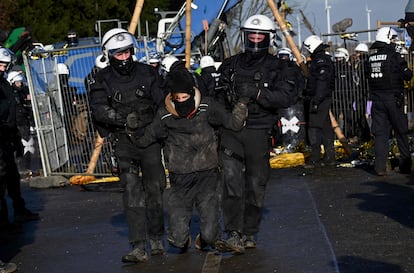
(247, 90)
(313, 107)
(18, 146)
(132, 121)
(399, 99)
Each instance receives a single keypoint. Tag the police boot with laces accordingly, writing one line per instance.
(137, 255)
(234, 243)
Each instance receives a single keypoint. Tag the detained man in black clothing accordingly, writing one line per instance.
(187, 126)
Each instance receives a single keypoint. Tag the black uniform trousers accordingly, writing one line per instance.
(320, 132)
(387, 116)
(244, 159)
(143, 196)
(10, 180)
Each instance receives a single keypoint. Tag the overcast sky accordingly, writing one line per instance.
(314, 10)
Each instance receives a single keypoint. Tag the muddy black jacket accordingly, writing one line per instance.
(113, 96)
(191, 143)
(274, 80)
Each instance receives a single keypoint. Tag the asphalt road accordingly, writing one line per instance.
(332, 220)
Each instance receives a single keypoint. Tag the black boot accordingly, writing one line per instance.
(137, 255)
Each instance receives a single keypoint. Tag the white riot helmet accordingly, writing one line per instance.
(15, 76)
(342, 52)
(101, 62)
(386, 35)
(168, 61)
(258, 24)
(362, 48)
(206, 61)
(6, 57)
(285, 53)
(119, 40)
(312, 43)
(116, 40)
(154, 60)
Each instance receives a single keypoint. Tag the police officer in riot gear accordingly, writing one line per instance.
(290, 138)
(10, 143)
(208, 78)
(318, 93)
(388, 70)
(124, 98)
(345, 91)
(24, 114)
(244, 155)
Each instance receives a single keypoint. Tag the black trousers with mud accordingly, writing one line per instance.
(143, 196)
(244, 159)
(199, 190)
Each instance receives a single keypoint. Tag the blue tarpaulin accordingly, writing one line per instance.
(206, 10)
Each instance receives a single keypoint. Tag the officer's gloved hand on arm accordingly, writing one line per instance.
(247, 90)
(132, 121)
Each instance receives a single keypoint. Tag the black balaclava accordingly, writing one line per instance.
(181, 81)
(124, 67)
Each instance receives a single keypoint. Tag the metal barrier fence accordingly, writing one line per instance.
(350, 100)
(67, 137)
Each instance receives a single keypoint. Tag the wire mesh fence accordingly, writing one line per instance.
(67, 137)
(58, 89)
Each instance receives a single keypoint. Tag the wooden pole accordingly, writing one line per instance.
(286, 33)
(135, 17)
(187, 33)
(300, 61)
(88, 177)
(95, 154)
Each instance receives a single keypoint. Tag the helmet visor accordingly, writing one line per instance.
(256, 41)
(121, 50)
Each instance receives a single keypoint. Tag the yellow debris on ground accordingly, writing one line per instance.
(287, 160)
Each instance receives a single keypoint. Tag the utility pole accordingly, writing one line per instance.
(369, 22)
(299, 30)
(328, 19)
